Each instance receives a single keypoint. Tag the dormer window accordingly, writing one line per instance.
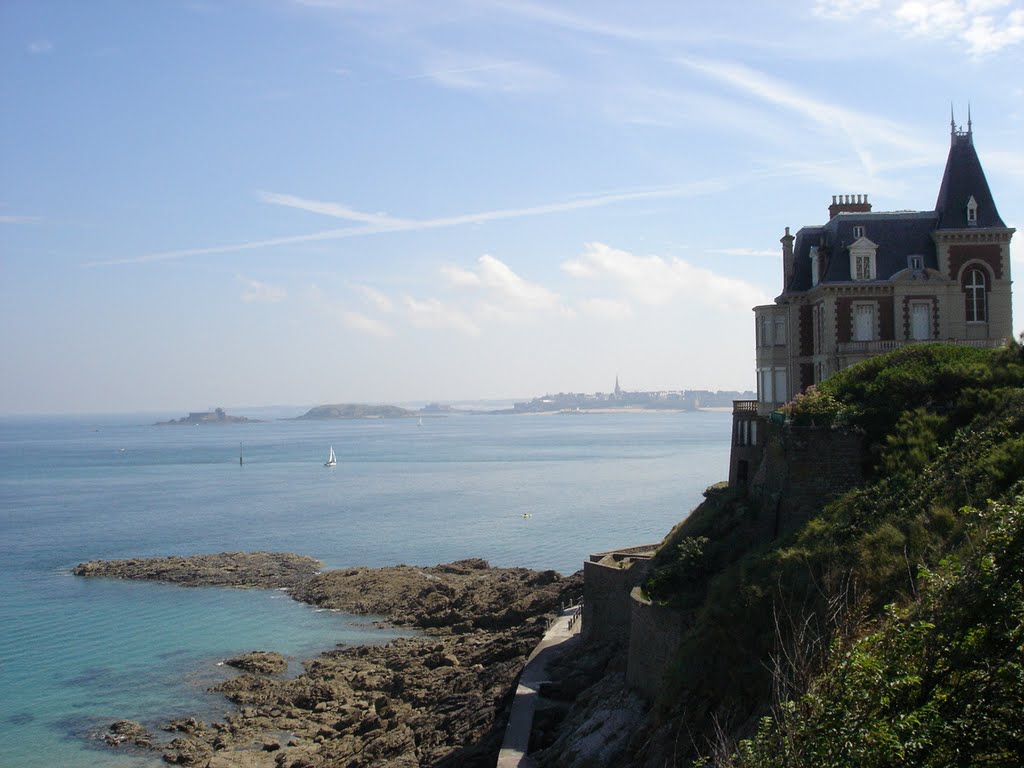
(858, 231)
(862, 260)
(916, 263)
(815, 266)
(972, 212)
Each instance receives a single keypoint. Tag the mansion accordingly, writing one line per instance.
(867, 282)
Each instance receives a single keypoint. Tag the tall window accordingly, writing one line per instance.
(858, 233)
(815, 268)
(975, 294)
(819, 329)
(920, 320)
(780, 330)
(863, 322)
(863, 267)
(862, 260)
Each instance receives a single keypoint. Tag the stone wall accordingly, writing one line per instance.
(802, 468)
(655, 634)
(608, 578)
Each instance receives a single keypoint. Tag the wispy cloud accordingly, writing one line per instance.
(16, 219)
(40, 46)
(489, 75)
(866, 134)
(431, 313)
(655, 280)
(376, 299)
(356, 321)
(382, 223)
(503, 283)
(336, 210)
(261, 292)
(986, 26)
(747, 251)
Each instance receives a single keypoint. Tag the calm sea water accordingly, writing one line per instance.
(76, 654)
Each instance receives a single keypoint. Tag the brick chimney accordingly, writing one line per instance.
(787, 258)
(848, 204)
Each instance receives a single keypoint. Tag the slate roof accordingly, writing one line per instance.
(963, 178)
(898, 235)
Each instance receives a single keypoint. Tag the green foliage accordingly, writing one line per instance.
(939, 682)
(939, 378)
(817, 408)
(798, 627)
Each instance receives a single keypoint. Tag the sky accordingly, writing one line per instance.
(267, 202)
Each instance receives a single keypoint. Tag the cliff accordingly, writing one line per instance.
(875, 620)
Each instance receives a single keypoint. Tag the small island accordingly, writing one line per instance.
(356, 411)
(216, 416)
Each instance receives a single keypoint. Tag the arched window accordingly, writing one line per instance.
(976, 296)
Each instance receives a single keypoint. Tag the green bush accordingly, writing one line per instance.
(801, 621)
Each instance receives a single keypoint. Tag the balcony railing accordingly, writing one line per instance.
(877, 347)
(744, 406)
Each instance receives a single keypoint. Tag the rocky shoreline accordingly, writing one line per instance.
(440, 698)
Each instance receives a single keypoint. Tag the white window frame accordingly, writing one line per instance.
(819, 328)
(863, 309)
(814, 265)
(927, 307)
(972, 212)
(764, 385)
(976, 311)
(779, 334)
(915, 262)
(858, 231)
(780, 385)
(862, 260)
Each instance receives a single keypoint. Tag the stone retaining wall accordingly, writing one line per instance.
(608, 578)
(655, 634)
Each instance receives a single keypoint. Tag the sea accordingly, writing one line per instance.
(76, 654)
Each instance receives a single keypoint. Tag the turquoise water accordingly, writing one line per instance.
(76, 654)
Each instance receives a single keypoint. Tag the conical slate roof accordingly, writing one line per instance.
(963, 179)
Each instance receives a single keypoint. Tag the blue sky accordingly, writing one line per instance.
(310, 201)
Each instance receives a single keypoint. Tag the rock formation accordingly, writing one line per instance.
(437, 699)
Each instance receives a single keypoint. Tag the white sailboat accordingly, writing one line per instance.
(332, 461)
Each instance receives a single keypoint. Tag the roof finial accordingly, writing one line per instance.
(952, 122)
(968, 118)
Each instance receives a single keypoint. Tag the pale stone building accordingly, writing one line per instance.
(867, 282)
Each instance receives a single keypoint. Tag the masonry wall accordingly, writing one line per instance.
(656, 632)
(802, 468)
(606, 586)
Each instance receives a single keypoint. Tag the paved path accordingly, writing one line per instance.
(562, 635)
